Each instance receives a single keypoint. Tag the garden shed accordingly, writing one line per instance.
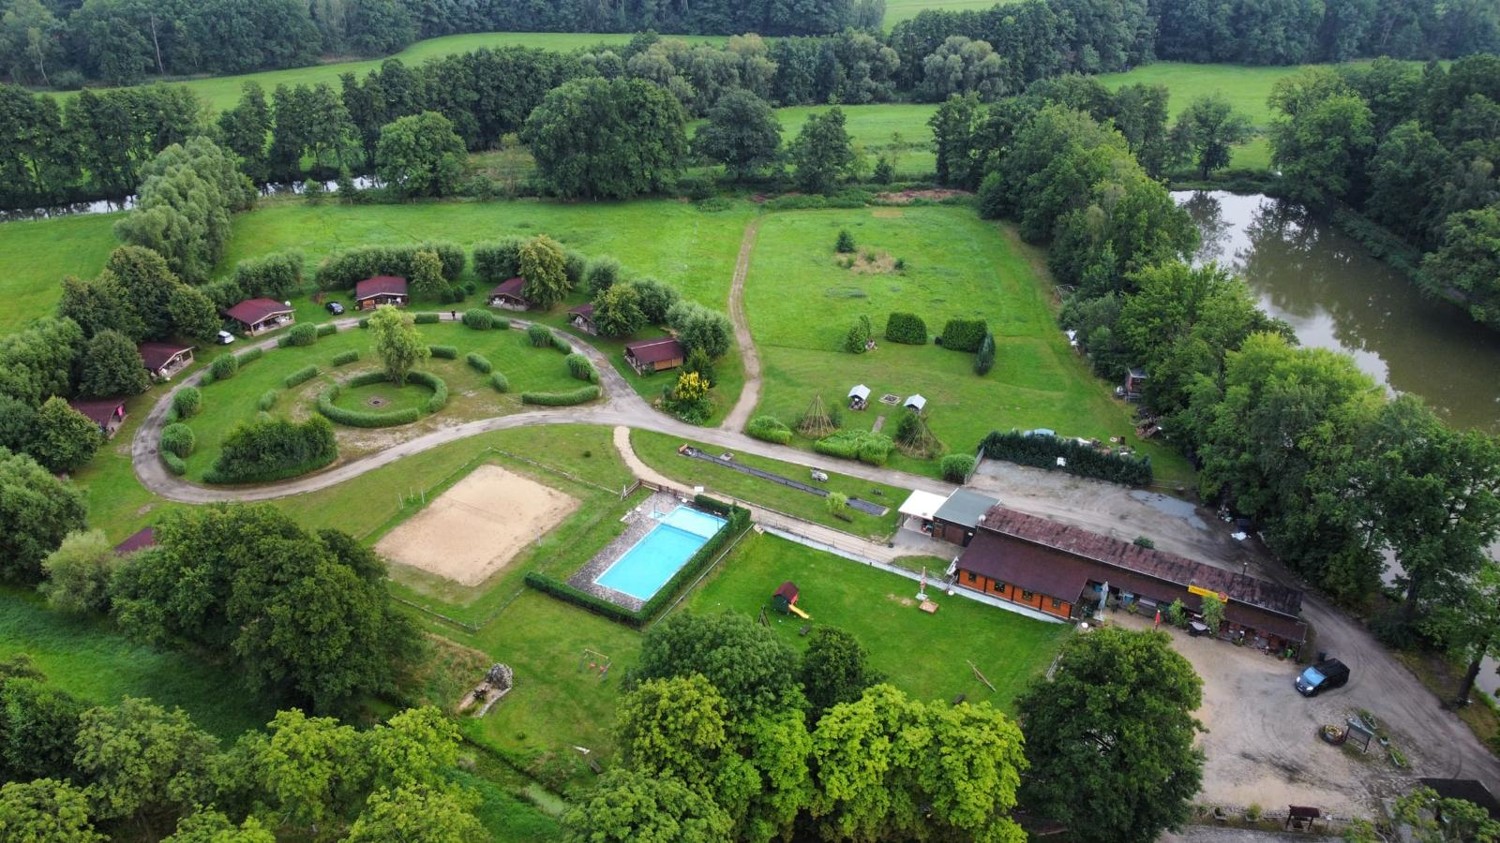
(582, 318)
(164, 359)
(646, 356)
(859, 397)
(381, 289)
(108, 413)
(507, 295)
(257, 315)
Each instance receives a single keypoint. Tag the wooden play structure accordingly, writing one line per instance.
(785, 600)
(595, 662)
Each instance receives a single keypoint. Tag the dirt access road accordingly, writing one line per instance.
(1261, 746)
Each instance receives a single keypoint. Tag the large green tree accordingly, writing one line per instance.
(1321, 148)
(617, 310)
(65, 439)
(701, 329)
(78, 573)
(99, 305)
(112, 366)
(543, 264)
(1207, 130)
(822, 153)
(398, 343)
(420, 155)
(742, 133)
(38, 726)
(144, 763)
(607, 138)
(630, 807)
(36, 511)
(835, 669)
(1110, 737)
(46, 809)
(755, 671)
(187, 196)
(1467, 265)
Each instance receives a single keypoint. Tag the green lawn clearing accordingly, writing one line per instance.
(1246, 88)
(956, 265)
(660, 452)
(925, 655)
(897, 11)
(874, 128)
(89, 658)
(37, 254)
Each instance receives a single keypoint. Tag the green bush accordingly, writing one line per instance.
(863, 445)
(179, 439)
(479, 319)
(561, 399)
(439, 388)
(984, 359)
(560, 343)
(364, 322)
(769, 429)
(301, 376)
(845, 244)
(906, 328)
(251, 355)
(963, 334)
(302, 334)
(267, 400)
(344, 358)
(224, 367)
(270, 449)
(327, 329)
(479, 363)
(498, 261)
(174, 463)
(500, 382)
(207, 379)
(581, 368)
(187, 401)
(539, 335)
(956, 468)
(857, 341)
(427, 318)
(1082, 460)
(342, 270)
(362, 418)
(444, 352)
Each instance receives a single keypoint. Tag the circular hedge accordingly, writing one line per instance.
(389, 418)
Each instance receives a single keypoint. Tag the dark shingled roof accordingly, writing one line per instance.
(100, 411)
(585, 310)
(380, 285)
(1028, 566)
(510, 288)
(157, 354)
(251, 311)
(964, 507)
(145, 537)
(1157, 564)
(655, 351)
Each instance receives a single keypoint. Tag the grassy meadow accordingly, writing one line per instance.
(873, 127)
(897, 11)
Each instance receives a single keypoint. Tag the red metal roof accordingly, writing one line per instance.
(158, 354)
(101, 411)
(145, 537)
(655, 351)
(510, 288)
(380, 285)
(251, 311)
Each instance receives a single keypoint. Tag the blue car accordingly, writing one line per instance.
(1323, 676)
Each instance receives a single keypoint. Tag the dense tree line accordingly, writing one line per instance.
(1414, 150)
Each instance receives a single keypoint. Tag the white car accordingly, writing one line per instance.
(224, 338)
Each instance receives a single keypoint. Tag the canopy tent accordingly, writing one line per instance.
(921, 506)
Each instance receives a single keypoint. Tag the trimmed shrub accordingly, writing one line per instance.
(207, 379)
(863, 445)
(174, 463)
(984, 359)
(906, 328)
(273, 449)
(301, 376)
(302, 334)
(581, 395)
(179, 439)
(224, 367)
(479, 363)
(500, 382)
(769, 429)
(539, 335)
(498, 261)
(602, 273)
(362, 418)
(187, 401)
(444, 352)
(427, 318)
(327, 329)
(956, 468)
(344, 358)
(364, 322)
(267, 400)
(479, 319)
(857, 341)
(1082, 460)
(581, 368)
(964, 334)
(845, 244)
(561, 344)
(575, 266)
(439, 388)
(251, 355)
(500, 323)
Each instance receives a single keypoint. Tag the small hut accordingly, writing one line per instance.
(582, 318)
(378, 290)
(507, 295)
(859, 397)
(785, 600)
(915, 403)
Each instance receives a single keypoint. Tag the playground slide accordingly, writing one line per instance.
(798, 612)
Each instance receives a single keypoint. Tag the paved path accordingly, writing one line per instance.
(750, 394)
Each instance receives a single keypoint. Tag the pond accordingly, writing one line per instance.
(1336, 295)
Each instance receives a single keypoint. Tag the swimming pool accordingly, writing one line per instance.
(650, 562)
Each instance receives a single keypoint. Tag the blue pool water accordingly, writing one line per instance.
(647, 566)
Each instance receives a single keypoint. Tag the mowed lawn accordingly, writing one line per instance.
(801, 304)
(873, 127)
(897, 11)
(925, 655)
(37, 254)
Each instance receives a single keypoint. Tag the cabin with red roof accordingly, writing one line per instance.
(582, 318)
(164, 359)
(108, 413)
(507, 295)
(646, 356)
(259, 315)
(381, 289)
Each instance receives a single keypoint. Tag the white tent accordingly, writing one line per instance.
(861, 392)
(919, 508)
(916, 402)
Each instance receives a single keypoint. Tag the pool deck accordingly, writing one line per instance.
(639, 525)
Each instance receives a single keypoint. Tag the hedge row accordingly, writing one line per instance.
(738, 520)
(439, 388)
(342, 270)
(444, 352)
(277, 276)
(362, 418)
(427, 318)
(250, 355)
(580, 367)
(963, 334)
(580, 395)
(366, 378)
(327, 329)
(956, 468)
(863, 445)
(301, 376)
(539, 335)
(560, 343)
(344, 358)
(187, 401)
(479, 319)
(178, 439)
(479, 363)
(301, 334)
(500, 382)
(906, 328)
(769, 429)
(267, 400)
(224, 367)
(273, 449)
(1082, 460)
(498, 261)
(174, 463)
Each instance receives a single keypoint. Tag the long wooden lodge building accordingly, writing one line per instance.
(1063, 571)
